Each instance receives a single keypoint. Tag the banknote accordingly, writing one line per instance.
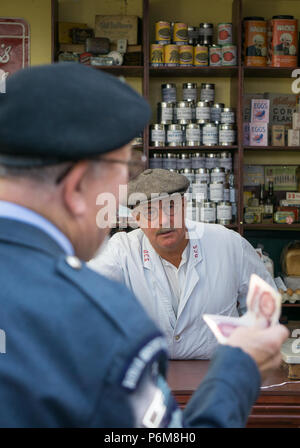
(263, 310)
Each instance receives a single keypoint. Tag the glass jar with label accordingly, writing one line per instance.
(157, 135)
(174, 135)
(168, 93)
(207, 211)
(224, 213)
(165, 113)
(210, 134)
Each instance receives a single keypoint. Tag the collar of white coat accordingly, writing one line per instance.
(195, 230)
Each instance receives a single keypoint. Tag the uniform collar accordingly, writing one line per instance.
(151, 257)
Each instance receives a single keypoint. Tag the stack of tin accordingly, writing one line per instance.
(193, 121)
(178, 44)
(211, 195)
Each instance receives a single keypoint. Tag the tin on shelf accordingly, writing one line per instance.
(224, 213)
(210, 134)
(193, 135)
(207, 92)
(174, 135)
(157, 55)
(206, 212)
(184, 113)
(168, 93)
(186, 55)
(171, 55)
(180, 33)
(228, 115)
(189, 91)
(227, 135)
(157, 135)
(202, 111)
(215, 55)
(200, 58)
(162, 32)
(165, 112)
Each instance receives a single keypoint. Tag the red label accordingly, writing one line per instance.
(14, 44)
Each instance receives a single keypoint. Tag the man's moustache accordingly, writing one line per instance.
(162, 231)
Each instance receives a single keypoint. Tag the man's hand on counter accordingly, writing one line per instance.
(262, 345)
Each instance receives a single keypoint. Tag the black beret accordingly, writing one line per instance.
(66, 111)
(156, 182)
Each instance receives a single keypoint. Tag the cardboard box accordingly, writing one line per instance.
(293, 196)
(258, 134)
(64, 31)
(296, 120)
(293, 137)
(283, 177)
(282, 107)
(116, 27)
(260, 110)
(247, 104)
(278, 135)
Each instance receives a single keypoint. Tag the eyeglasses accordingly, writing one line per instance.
(135, 166)
(169, 208)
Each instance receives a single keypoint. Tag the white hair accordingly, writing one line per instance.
(44, 174)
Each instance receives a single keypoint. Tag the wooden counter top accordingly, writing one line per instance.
(277, 406)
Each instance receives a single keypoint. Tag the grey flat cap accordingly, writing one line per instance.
(155, 182)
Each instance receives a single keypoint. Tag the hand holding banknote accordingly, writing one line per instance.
(257, 332)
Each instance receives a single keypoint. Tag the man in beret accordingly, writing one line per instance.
(79, 349)
(177, 268)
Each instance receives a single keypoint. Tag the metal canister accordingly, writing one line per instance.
(226, 160)
(224, 213)
(212, 160)
(217, 175)
(228, 115)
(207, 212)
(226, 192)
(157, 135)
(189, 91)
(216, 191)
(229, 55)
(165, 112)
(202, 110)
(199, 191)
(156, 55)
(215, 112)
(200, 55)
(210, 134)
(169, 161)
(224, 33)
(180, 33)
(215, 55)
(184, 112)
(184, 161)
(155, 161)
(193, 33)
(255, 41)
(186, 55)
(202, 175)
(174, 135)
(171, 55)
(168, 93)
(189, 174)
(162, 32)
(207, 92)
(193, 135)
(227, 134)
(198, 160)
(206, 31)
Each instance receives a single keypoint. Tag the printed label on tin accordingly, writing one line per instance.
(211, 163)
(207, 95)
(227, 117)
(226, 163)
(207, 214)
(216, 192)
(189, 94)
(169, 95)
(199, 192)
(174, 136)
(166, 114)
(193, 135)
(226, 136)
(158, 135)
(215, 114)
(203, 113)
(202, 177)
(217, 177)
(210, 136)
(184, 113)
(224, 212)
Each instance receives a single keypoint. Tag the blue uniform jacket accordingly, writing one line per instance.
(81, 352)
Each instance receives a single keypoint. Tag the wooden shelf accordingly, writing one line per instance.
(266, 72)
(290, 305)
(193, 148)
(272, 148)
(121, 70)
(272, 227)
(209, 71)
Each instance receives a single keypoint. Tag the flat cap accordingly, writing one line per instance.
(156, 182)
(66, 111)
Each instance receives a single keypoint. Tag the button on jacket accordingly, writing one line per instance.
(219, 268)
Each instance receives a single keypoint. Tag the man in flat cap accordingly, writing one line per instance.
(179, 269)
(79, 349)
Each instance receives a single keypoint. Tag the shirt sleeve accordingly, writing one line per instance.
(107, 262)
(227, 393)
(250, 264)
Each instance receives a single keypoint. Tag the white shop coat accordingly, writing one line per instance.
(219, 267)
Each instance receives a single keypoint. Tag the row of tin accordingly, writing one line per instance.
(222, 212)
(194, 161)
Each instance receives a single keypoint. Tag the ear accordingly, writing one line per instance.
(73, 191)
(136, 214)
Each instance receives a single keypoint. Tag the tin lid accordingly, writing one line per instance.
(203, 121)
(198, 155)
(206, 25)
(203, 103)
(170, 155)
(225, 23)
(189, 85)
(183, 104)
(215, 46)
(254, 18)
(227, 126)
(165, 104)
(212, 155)
(193, 126)
(283, 17)
(168, 85)
(174, 127)
(228, 109)
(187, 171)
(224, 203)
(206, 85)
(201, 171)
(210, 125)
(218, 170)
(156, 155)
(184, 156)
(218, 105)
(158, 126)
(225, 155)
(208, 204)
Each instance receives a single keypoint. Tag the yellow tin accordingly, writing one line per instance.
(162, 32)
(156, 55)
(171, 55)
(200, 55)
(180, 33)
(186, 55)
